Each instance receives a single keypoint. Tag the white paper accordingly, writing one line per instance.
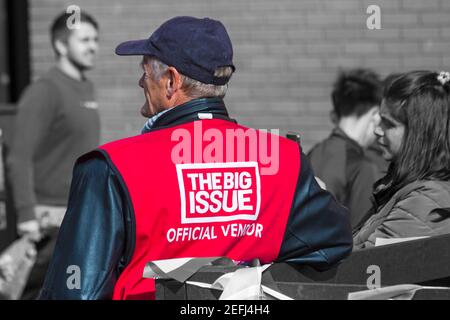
(384, 241)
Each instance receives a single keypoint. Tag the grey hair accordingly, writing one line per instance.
(193, 88)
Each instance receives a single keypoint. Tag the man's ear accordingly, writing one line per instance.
(173, 83)
(60, 47)
(334, 117)
(374, 111)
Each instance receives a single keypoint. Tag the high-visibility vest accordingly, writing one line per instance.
(201, 189)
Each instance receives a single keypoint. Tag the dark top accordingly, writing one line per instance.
(97, 234)
(348, 172)
(57, 121)
(421, 208)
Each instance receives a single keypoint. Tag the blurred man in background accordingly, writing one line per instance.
(57, 121)
(342, 161)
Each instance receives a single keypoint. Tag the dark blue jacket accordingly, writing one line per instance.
(348, 171)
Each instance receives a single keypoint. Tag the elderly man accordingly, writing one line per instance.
(195, 184)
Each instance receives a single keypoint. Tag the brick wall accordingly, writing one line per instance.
(287, 52)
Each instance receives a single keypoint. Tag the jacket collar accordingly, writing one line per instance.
(338, 132)
(189, 111)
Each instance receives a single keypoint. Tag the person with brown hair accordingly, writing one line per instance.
(413, 199)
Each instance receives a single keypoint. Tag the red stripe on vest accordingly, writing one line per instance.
(222, 200)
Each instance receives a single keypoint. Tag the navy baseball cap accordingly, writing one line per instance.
(195, 47)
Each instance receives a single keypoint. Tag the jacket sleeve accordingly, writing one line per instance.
(91, 249)
(416, 215)
(318, 231)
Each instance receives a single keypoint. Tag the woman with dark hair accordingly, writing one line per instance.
(413, 199)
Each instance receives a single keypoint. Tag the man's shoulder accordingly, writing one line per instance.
(48, 78)
(121, 142)
(153, 136)
(92, 165)
(358, 160)
(329, 152)
(266, 134)
(42, 85)
(40, 94)
(55, 79)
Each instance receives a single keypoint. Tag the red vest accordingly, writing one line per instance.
(198, 191)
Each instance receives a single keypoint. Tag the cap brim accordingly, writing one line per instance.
(133, 48)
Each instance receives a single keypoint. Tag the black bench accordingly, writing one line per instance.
(423, 262)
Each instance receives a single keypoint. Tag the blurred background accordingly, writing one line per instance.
(287, 52)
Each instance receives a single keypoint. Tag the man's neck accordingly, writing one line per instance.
(180, 100)
(354, 129)
(70, 69)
